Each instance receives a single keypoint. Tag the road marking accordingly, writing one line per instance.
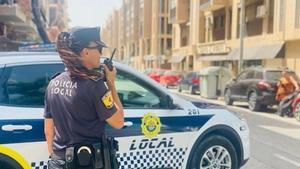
(287, 160)
(290, 132)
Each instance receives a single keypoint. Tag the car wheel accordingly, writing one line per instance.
(227, 97)
(297, 111)
(252, 101)
(215, 152)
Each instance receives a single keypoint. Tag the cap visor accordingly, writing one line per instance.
(102, 44)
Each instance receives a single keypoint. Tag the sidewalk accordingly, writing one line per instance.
(242, 106)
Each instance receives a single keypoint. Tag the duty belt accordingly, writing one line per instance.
(99, 155)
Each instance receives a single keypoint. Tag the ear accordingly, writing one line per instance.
(84, 52)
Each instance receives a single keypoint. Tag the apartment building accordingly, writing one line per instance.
(271, 33)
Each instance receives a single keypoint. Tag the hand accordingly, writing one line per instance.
(110, 75)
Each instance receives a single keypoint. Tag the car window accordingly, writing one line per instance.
(258, 75)
(273, 75)
(243, 75)
(250, 74)
(25, 85)
(134, 94)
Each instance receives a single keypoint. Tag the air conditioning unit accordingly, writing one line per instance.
(261, 11)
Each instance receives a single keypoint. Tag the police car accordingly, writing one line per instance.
(161, 130)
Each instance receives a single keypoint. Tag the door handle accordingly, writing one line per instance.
(11, 127)
(127, 124)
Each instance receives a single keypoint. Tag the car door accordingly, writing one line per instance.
(246, 84)
(236, 86)
(22, 105)
(153, 135)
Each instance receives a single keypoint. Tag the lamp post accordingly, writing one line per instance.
(242, 30)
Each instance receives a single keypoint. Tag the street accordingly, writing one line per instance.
(275, 141)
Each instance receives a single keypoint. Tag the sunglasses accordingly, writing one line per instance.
(99, 48)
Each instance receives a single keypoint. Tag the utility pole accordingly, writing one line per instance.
(242, 30)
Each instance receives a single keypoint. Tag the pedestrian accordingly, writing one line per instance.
(78, 103)
(287, 86)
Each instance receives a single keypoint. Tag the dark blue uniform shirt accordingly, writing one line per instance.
(79, 108)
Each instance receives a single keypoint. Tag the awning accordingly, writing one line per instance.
(212, 58)
(176, 59)
(258, 52)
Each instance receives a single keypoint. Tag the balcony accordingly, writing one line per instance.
(11, 13)
(211, 5)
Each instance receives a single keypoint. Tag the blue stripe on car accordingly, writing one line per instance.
(169, 125)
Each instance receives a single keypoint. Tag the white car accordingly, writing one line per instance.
(161, 130)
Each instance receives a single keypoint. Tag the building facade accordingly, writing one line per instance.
(188, 35)
(144, 34)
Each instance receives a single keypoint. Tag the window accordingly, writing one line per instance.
(25, 85)
(162, 6)
(258, 75)
(162, 26)
(243, 75)
(282, 15)
(134, 93)
(169, 43)
(250, 74)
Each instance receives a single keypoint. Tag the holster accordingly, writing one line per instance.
(99, 155)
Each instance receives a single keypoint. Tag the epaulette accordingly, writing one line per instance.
(55, 75)
(95, 78)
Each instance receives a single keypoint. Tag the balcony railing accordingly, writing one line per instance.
(11, 13)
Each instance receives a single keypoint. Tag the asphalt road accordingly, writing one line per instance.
(275, 141)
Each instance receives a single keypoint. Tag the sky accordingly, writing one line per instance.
(91, 12)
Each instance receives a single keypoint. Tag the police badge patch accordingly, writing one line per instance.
(150, 125)
(107, 100)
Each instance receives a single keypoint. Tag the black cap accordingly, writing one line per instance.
(80, 37)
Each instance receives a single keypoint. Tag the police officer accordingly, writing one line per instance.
(78, 102)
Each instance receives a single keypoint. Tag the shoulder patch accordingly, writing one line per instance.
(107, 100)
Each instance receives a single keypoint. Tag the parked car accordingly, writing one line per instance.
(170, 78)
(156, 74)
(157, 122)
(189, 82)
(257, 86)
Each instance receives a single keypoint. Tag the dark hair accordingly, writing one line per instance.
(72, 59)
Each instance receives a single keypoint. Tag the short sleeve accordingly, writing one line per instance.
(47, 112)
(103, 101)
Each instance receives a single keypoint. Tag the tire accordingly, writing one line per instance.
(215, 151)
(8, 163)
(252, 101)
(297, 111)
(227, 97)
